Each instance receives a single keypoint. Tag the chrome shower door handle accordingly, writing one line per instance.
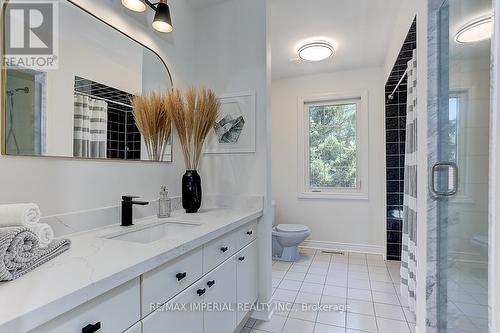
(444, 187)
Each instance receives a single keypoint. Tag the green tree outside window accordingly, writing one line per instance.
(333, 146)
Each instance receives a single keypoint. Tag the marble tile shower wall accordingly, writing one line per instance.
(395, 125)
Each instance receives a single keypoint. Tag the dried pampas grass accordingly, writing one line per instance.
(153, 120)
(193, 118)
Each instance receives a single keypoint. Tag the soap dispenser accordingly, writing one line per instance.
(164, 204)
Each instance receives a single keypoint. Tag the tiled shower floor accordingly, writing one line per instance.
(367, 284)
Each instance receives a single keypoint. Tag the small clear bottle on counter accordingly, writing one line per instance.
(164, 203)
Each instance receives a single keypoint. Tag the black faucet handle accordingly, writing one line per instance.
(129, 197)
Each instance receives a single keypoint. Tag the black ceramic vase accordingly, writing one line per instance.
(191, 191)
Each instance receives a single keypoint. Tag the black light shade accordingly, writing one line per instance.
(162, 21)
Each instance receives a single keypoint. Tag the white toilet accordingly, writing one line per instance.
(286, 239)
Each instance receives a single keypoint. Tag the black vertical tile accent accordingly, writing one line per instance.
(394, 224)
(133, 145)
(395, 124)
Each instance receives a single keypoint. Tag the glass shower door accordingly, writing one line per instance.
(459, 173)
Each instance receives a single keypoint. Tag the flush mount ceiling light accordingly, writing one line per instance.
(316, 51)
(162, 21)
(475, 31)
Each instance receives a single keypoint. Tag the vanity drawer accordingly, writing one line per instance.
(114, 311)
(178, 315)
(247, 234)
(163, 283)
(219, 250)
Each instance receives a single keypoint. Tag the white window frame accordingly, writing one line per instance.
(304, 189)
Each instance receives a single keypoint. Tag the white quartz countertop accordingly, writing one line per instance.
(95, 265)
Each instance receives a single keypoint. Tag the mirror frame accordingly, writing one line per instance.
(3, 97)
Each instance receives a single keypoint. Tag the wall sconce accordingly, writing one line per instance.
(162, 21)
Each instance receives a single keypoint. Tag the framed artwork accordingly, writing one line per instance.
(234, 130)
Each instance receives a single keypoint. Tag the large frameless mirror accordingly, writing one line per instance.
(82, 108)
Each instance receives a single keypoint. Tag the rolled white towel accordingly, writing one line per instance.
(43, 232)
(19, 214)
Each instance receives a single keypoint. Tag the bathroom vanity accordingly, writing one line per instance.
(156, 276)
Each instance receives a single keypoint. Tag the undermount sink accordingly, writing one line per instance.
(153, 233)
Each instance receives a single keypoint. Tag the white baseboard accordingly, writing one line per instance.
(343, 247)
(263, 314)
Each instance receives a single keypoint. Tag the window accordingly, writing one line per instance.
(456, 149)
(454, 107)
(331, 153)
(332, 146)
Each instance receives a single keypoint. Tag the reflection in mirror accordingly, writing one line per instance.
(83, 108)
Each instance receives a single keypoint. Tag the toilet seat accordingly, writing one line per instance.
(291, 228)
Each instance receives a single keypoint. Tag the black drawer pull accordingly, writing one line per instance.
(92, 328)
(241, 258)
(249, 233)
(180, 276)
(210, 284)
(224, 249)
(200, 292)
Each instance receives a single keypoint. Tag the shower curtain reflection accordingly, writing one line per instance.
(90, 127)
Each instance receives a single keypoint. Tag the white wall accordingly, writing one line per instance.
(231, 58)
(65, 185)
(355, 222)
(405, 17)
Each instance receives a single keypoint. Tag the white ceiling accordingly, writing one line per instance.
(360, 31)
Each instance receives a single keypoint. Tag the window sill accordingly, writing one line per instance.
(334, 195)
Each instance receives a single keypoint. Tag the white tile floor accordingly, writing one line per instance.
(467, 297)
(364, 285)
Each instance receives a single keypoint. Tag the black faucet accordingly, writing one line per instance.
(127, 204)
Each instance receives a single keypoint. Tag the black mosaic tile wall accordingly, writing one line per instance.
(133, 139)
(124, 138)
(116, 134)
(395, 124)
